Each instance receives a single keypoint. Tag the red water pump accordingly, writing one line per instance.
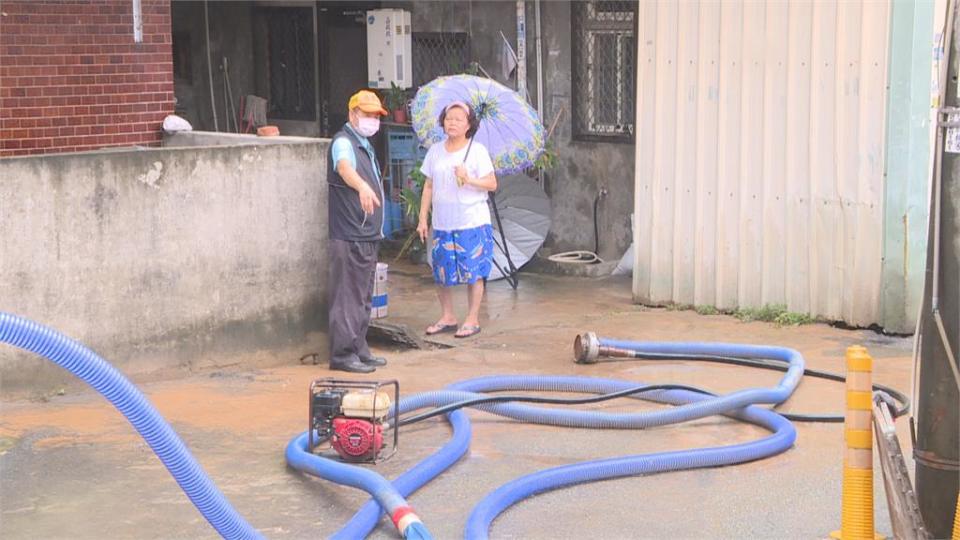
(350, 417)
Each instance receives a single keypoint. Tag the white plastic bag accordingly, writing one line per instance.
(625, 266)
(173, 123)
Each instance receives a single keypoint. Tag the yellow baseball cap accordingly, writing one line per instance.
(366, 101)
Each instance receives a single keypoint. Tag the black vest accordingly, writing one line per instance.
(347, 221)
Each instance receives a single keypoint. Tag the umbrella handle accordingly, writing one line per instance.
(465, 156)
(469, 146)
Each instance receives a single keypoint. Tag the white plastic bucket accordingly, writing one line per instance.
(380, 297)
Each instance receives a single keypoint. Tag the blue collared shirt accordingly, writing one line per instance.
(342, 149)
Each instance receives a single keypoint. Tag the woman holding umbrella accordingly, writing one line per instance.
(459, 174)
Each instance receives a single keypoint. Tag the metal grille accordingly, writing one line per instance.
(291, 50)
(439, 53)
(604, 69)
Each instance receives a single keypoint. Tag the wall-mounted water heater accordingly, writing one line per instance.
(389, 48)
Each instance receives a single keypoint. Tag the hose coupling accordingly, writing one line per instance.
(409, 524)
(586, 348)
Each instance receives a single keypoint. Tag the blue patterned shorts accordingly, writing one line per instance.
(462, 257)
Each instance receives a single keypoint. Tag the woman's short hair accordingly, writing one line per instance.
(471, 117)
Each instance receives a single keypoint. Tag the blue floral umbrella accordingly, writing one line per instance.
(510, 128)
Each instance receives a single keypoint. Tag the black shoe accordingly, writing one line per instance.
(354, 366)
(375, 361)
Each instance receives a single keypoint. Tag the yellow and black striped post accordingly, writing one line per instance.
(856, 520)
(956, 520)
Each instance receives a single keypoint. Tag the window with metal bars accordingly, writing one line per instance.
(439, 53)
(604, 69)
(290, 55)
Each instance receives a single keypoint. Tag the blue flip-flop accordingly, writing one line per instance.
(440, 329)
(470, 329)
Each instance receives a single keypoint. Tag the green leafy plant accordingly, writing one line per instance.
(547, 160)
(775, 313)
(772, 313)
(704, 309)
(410, 197)
(395, 97)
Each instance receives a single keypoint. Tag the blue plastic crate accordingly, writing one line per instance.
(392, 219)
(404, 146)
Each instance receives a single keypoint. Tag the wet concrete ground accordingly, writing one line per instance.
(71, 467)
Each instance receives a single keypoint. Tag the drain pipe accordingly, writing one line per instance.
(539, 48)
(522, 50)
(206, 31)
(936, 456)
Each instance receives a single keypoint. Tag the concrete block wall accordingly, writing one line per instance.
(167, 259)
(72, 77)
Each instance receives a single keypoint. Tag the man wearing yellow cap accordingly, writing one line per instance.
(356, 228)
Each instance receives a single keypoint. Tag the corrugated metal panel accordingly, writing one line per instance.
(760, 147)
(908, 153)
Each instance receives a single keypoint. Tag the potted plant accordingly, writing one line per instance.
(410, 197)
(546, 161)
(396, 99)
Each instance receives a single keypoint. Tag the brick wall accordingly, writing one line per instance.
(72, 78)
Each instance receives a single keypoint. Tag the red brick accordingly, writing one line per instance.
(57, 58)
(25, 113)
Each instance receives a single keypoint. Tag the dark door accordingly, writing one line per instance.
(288, 46)
(343, 59)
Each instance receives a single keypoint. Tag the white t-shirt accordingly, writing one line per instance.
(456, 208)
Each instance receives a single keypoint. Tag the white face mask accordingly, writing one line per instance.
(368, 126)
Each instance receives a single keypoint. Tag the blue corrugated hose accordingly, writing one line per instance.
(782, 438)
(119, 391)
(96, 372)
(690, 406)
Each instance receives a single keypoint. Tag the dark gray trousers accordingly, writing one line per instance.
(353, 267)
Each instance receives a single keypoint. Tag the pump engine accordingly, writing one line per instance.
(350, 417)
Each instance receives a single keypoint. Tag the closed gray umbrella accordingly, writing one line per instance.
(525, 217)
